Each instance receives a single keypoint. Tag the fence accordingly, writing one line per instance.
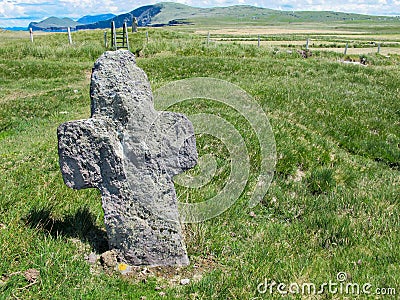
(343, 46)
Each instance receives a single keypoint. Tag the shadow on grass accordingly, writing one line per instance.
(81, 225)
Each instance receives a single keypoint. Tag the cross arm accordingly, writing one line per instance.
(87, 149)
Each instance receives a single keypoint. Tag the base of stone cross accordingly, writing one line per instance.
(130, 152)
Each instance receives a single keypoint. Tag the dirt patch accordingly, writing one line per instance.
(164, 276)
(31, 275)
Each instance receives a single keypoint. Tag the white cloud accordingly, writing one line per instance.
(8, 9)
(21, 12)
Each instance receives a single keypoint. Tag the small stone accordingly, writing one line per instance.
(2, 226)
(76, 91)
(359, 262)
(252, 214)
(162, 294)
(143, 298)
(185, 281)
(91, 258)
(158, 288)
(108, 259)
(31, 275)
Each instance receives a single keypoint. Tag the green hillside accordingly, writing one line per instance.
(242, 14)
(167, 13)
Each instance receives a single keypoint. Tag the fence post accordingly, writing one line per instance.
(113, 36)
(31, 34)
(345, 49)
(126, 39)
(208, 38)
(69, 36)
(379, 48)
(105, 39)
(258, 41)
(123, 34)
(147, 37)
(307, 43)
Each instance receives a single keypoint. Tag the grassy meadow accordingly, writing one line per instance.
(333, 205)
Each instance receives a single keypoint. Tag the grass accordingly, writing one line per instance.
(333, 205)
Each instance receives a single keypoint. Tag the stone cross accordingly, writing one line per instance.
(130, 152)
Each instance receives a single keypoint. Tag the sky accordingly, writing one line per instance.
(22, 12)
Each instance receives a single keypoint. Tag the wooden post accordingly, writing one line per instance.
(345, 49)
(134, 24)
(113, 36)
(123, 34)
(258, 41)
(105, 39)
(31, 34)
(126, 40)
(379, 48)
(307, 43)
(69, 36)
(208, 38)
(147, 36)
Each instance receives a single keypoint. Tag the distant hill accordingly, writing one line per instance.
(174, 12)
(54, 24)
(168, 13)
(144, 14)
(96, 18)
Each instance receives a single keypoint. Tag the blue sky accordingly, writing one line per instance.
(22, 12)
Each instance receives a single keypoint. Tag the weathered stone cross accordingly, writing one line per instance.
(130, 152)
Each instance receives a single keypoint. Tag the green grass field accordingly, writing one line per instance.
(333, 205)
